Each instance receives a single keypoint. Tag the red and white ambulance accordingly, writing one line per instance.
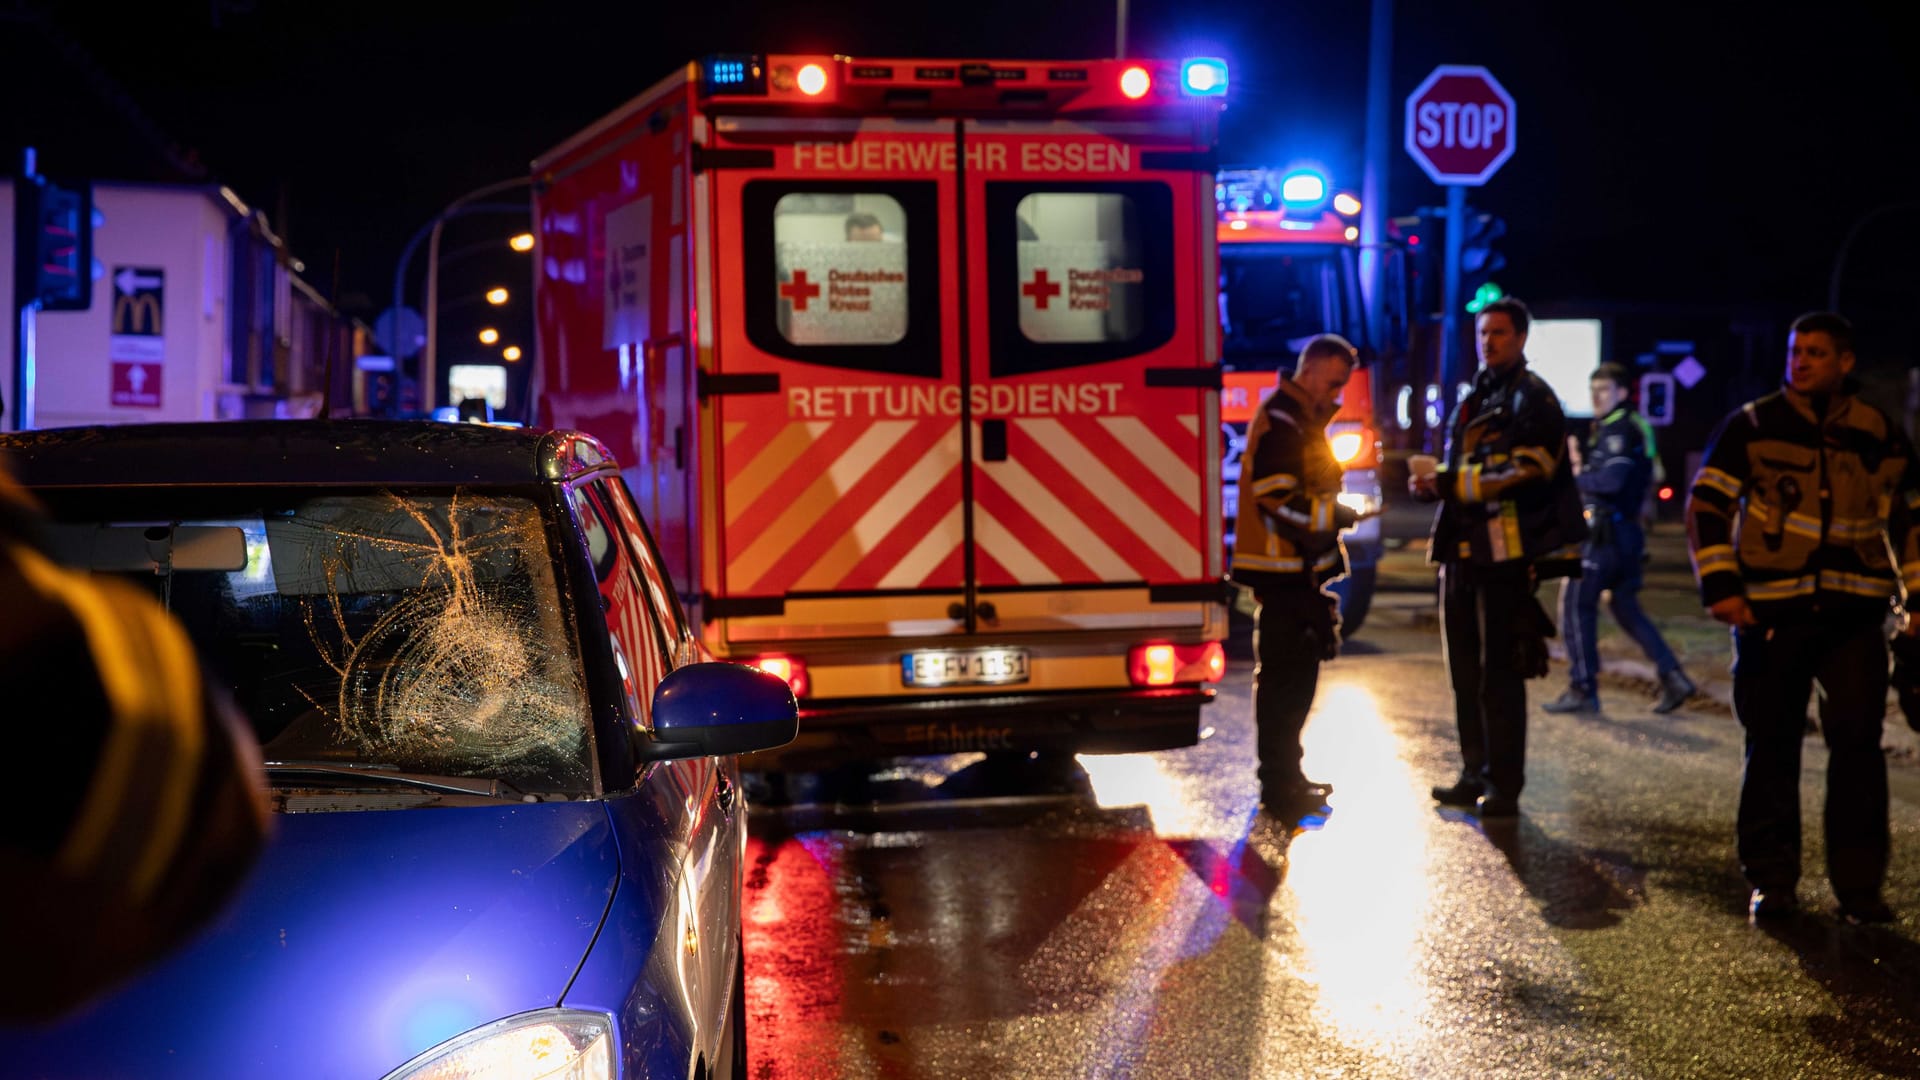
(913, 365)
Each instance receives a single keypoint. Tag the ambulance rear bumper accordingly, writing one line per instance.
(1074, 721)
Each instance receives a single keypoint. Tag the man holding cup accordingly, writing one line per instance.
(1509, 517)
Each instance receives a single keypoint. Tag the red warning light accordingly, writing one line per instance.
(1135, 82)
(1413, 240)
(1666, 493)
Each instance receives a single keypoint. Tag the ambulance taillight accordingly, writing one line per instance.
(1204, 76)
(1160, 663)
(1135, 82)
(792, 669)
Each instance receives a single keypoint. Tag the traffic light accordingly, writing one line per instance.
(1485, 294)
(1656, 398)
(1420, 238)
(1479, 262)
(53, 245)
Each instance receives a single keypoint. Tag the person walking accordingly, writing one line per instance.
(1793, 521)
(1616, 471)
(1509, 518)
(1286, 547)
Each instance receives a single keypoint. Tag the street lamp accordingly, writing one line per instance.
(521, 242)
(489, 335)
(511, 352)
(465, 204)
(497, 296)
(429, 365)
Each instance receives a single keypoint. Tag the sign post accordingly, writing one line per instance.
(1460, 130)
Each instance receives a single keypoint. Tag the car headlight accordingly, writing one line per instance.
(547, 1044)
(1358, 502)
(1346, 446)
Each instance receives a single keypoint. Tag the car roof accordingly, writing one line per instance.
(330, 452)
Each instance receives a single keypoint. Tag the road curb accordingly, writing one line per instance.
(1900, 741)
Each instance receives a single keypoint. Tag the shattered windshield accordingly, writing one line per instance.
(415, 631)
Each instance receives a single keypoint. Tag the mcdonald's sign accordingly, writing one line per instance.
(138, 301)
(137, 315)
(137, 347)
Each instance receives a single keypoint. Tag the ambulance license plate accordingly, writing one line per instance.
(964, 667)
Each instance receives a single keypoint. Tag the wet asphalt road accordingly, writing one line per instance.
(1133, 916)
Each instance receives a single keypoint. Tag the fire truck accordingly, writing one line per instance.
(1289, 270)
(912, 365)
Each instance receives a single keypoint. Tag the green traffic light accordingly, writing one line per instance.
(1484, 295)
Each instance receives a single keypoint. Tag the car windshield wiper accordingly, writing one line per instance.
(454, 785)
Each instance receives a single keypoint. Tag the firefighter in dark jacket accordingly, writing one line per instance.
(1616, 471)
(1510, 518)
(1286, 547)
(1800, 523)
(156, 805)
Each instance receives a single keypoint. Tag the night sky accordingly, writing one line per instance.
(1696, 158)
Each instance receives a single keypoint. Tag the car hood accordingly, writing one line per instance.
(359, 940)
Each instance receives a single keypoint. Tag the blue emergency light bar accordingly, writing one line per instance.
(734, 73)
(1204, 76)
(1303, 187)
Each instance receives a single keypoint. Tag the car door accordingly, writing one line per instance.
(708, 787)
(1094, 498)
(837, 380)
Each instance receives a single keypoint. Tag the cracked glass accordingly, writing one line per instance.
(420, 632)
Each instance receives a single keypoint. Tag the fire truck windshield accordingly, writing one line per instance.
(1273, 299)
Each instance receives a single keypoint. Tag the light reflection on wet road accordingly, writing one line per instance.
(1133, 916)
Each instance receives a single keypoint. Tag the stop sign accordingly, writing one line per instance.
(1460, 124)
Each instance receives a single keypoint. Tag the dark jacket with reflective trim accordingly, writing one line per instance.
(1619, 463)
(1507, 493)
(1795, 508)
(1288, 529)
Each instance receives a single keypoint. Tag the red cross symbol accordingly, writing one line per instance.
(800, 292)
(1040, 289)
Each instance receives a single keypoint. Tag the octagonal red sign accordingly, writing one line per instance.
(1460, 124)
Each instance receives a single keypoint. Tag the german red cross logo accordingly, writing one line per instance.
(800, 291)
(1040, 289)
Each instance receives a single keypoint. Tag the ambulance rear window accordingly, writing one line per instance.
(843, 274)
(1082, 273)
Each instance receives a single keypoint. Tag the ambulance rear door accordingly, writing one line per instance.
(1092, 362)
(835, 382)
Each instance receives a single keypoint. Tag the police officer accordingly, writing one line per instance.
(1802, 503)
(155, 808)
(1617, 467)
(1286, 547)
(1509, 518)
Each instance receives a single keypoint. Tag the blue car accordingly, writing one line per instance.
(509, 823)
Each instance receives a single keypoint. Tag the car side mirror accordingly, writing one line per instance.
(718, 708)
